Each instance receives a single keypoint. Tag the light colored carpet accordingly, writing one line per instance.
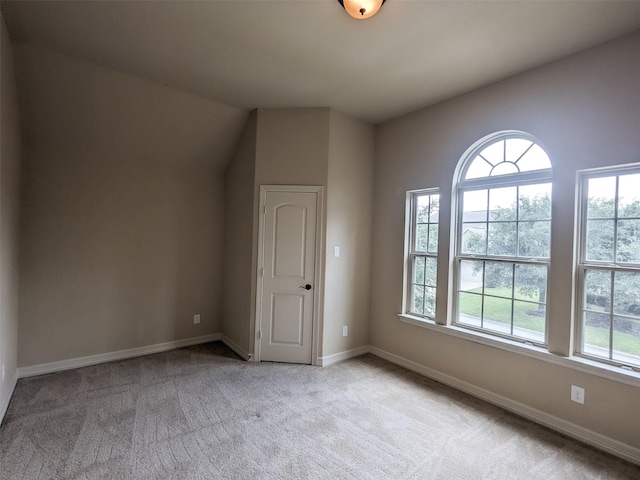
(201, 413)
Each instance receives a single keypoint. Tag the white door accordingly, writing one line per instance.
(284, 326)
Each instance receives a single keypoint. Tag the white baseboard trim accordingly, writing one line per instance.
(340, 356)
(572, 430)
(44, 368)
(235, 347)
(7, 399)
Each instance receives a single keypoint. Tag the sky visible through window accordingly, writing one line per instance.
(512, 155)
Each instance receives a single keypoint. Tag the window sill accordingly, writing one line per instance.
(581, 364)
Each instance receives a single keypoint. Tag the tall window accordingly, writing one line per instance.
(423, 250)
(503, 223)
(609, 266)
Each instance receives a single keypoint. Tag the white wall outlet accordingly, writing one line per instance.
(345, 330)
(3, 372)
(577, 394)
(196, 319)
(336, 251)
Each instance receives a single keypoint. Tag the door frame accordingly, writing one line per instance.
(318, 288)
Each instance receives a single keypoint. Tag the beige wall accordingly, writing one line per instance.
(292, 148)
(349, 218)
(585, 110)
(9, 208)
(238, 239)
(122, 231)
(304, 146)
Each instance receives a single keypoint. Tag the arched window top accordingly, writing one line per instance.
(505, 154)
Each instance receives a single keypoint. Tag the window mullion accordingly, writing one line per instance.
(613, 292)
(615, 222)
(513, 294)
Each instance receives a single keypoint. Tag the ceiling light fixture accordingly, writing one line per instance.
(361, 9)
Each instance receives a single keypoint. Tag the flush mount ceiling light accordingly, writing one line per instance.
(361, 9)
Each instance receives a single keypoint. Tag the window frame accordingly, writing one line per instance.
(583, 265)
(460, 186)
(411, 252)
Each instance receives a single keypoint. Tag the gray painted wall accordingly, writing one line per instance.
(10, 157)
(238, 239)
(585, 110)
(349, 221)
(122, 231)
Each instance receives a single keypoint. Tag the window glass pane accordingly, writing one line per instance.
(599, 244)
(628, 241)
(425, 212)
(529, 320)
(422, 237)
(498, 278)
(418, 270)
(474, 238)
(474, 205)
(626, 340)
(433, 238)
(502, 203)
(502, 239)
(602, 197)
(434, 209)
(505, 220)
(417, 296)
(534, 239)
(597, 286)
(431, 270)
(497, 314)
(534, 159)
(596, 331)
(534, 202)
(429, 301)
(505, 168)
(494, 153)
(471, 274)
(478, 168)
(515, 148)
(422, 208)
(626, 296)
(470, 309)
(629, 196)
(531, 283)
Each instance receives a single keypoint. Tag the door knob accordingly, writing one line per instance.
(306, 287)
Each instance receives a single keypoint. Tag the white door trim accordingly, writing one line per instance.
(318, 289)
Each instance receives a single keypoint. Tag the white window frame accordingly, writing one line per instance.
(459, 187)
(582, 264)
(411, 252)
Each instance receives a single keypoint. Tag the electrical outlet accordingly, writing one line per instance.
(3, 372)
(196, 319)
(577, 394)
(345, 330)
(336, 251)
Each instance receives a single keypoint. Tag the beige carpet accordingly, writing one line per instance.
(201, 413)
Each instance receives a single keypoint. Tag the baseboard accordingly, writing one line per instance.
(340, 356)
(572, 430)
(44, 368)
(235, 347)
(7, 399)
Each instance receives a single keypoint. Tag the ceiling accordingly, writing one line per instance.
(268, 53)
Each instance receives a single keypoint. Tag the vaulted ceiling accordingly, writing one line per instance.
(268, 53)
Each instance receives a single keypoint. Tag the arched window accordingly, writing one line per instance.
(503, 229)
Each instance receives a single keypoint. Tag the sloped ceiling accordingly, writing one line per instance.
(266, 53)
